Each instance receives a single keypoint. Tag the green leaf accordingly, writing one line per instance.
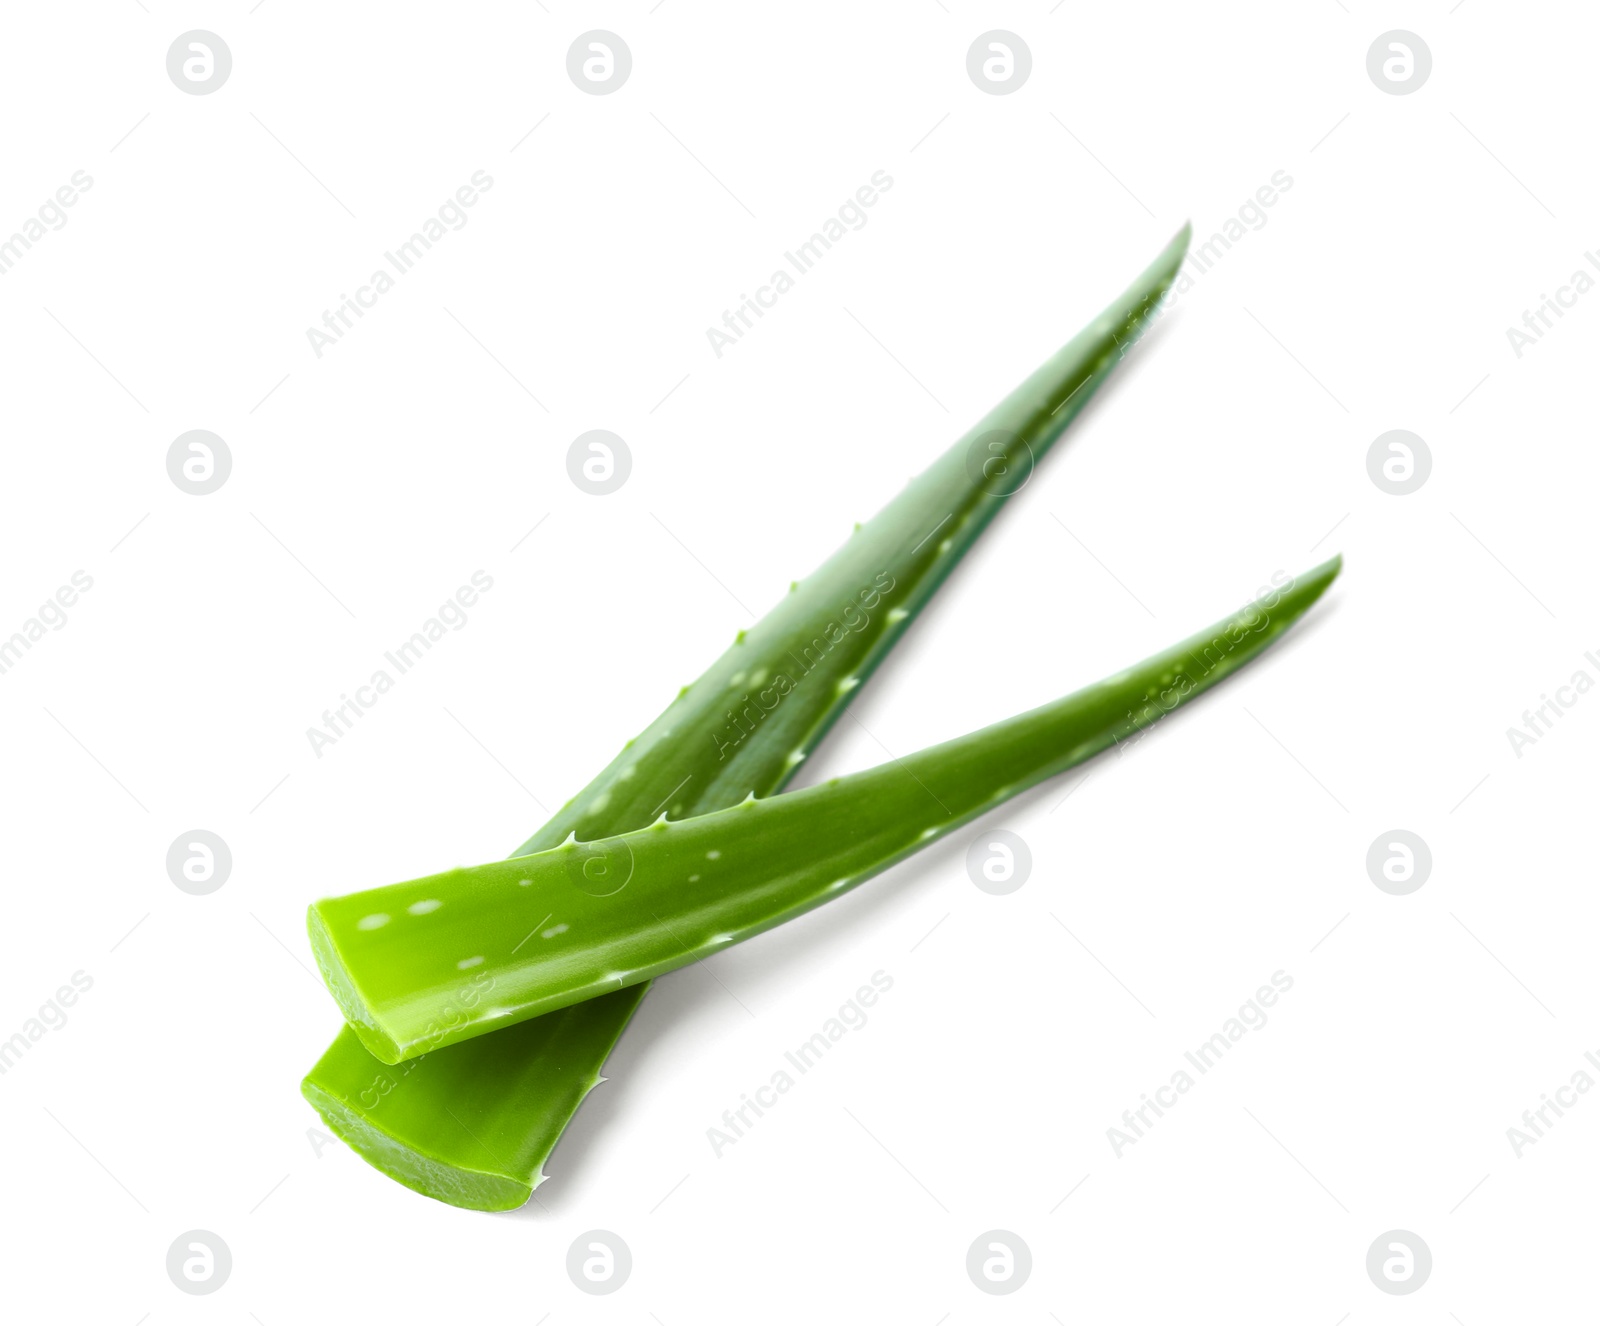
(442, 959)
(473, 1124)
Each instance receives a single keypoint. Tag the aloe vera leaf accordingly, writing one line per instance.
(472, 1125)
(437, 960)
(719, 742)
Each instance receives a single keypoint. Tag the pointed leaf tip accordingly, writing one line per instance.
(1309, 586)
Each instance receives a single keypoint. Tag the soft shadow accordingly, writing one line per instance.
(693, 993)
(678, 998)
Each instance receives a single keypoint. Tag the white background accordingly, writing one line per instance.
(370, 483)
